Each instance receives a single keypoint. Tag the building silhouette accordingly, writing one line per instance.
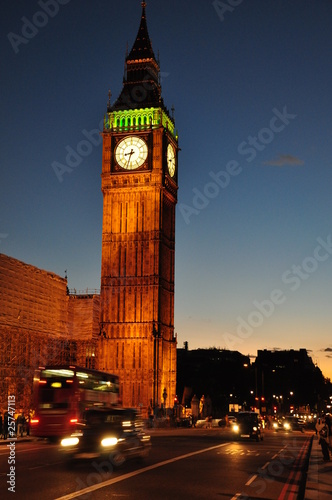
(276, 382)
(223, 375)
(288, 380)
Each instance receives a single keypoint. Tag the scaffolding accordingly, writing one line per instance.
(41, 323)
(22, 351)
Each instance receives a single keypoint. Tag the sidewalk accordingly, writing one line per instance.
(24, 439)
(319, 476)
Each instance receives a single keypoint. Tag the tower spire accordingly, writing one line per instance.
(142, 48)
(141, 86)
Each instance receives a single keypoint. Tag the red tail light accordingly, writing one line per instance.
(34, 421)
(73, 420)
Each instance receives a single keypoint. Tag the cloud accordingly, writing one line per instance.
(328, 350)
(283, 160)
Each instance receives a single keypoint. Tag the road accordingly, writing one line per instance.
(184, 463)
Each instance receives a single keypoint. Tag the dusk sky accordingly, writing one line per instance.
(251, 84)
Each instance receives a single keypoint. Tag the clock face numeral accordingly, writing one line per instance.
(131, 153)
(171, 160)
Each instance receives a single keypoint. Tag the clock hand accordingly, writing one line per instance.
(130, 155)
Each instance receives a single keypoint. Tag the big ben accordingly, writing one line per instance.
(139, 186)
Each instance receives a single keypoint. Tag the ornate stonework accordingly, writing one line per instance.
(137, 339)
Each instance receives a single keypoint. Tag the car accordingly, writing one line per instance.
(290, 424)
(248, 424)
(277, 424)
(115, 434)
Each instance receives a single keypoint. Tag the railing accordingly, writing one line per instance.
(87, 291)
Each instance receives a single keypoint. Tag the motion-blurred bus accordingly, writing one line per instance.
(61, 394)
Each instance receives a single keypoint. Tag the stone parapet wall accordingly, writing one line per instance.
(83, 316)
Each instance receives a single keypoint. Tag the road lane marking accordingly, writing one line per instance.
(129, 475)
(291, 487)
(248, 483)
(265, 465)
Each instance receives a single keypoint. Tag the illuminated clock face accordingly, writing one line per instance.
(171, 160)
(131, 152)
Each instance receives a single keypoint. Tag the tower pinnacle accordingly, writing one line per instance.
(141, 87)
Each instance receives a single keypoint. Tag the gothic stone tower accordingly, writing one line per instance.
(139, 186)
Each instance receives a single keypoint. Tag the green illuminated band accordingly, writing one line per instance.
(138, 119)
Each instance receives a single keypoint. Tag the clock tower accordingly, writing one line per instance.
(139, 186)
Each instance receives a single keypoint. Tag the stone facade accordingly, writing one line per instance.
(138, 342)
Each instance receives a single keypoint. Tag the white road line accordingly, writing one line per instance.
(265, 465)
(129, 475)
(248, 483)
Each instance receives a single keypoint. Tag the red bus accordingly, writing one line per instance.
(62, 393)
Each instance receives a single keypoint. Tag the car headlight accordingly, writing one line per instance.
(286, 425)
(109, 441)
(275, 425)
(254, 429)
(235, 428)
(71, 441)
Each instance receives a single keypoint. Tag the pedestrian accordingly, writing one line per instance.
(323, 434)
(28, 424)
(21, 424)
(328, 423)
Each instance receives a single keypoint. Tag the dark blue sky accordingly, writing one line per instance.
(251, 86)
